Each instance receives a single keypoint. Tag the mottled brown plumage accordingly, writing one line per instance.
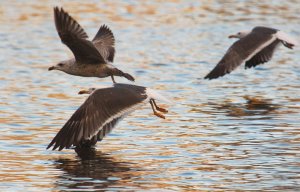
(92, 58)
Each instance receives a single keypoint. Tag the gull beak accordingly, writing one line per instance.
(232, 36)
(83, 92)
(51, 68)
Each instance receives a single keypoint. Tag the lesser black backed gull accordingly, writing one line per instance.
(253, 47)
(101, 111)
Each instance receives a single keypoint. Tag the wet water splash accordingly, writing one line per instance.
(239, 132)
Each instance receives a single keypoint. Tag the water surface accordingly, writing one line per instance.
(239, 132)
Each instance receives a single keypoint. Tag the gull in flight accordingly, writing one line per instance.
(253, 47)
(100, 113)
(91, 58)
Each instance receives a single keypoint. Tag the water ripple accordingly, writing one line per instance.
(239, 132)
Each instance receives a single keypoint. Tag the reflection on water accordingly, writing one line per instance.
(255, 107)
(239, 132)
(93, 170)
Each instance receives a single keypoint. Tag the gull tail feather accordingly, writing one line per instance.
(128, 76)
(287, 38)
(155, 95)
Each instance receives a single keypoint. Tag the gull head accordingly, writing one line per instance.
(63, 65)
(89, 91)
(240, 34)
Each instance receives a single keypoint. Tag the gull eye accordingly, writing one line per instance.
(60, 64)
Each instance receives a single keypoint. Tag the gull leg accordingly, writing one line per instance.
(113, 79)
(159, 108)
(155, 112)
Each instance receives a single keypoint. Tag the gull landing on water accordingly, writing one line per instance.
(92, 58)
(100, 113)
(253, 47)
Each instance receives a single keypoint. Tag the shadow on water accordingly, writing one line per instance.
(254, 106)
(94, 170)
(257, 103)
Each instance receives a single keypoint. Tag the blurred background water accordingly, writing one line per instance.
(239, 132)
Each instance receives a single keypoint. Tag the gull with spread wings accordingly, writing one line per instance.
(253, 47)
(91, 58)
(100, 113)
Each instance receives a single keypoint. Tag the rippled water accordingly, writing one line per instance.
(240, 132)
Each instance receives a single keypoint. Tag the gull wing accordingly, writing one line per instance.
(74, 37)
(263, 56)
(242, 50)
(104, 41)
(102, 109)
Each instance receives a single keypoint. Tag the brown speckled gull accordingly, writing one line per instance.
(92, 58)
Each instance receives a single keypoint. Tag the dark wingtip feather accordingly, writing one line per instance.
(207, 77)
(105, 28)
(67, 24)
(217, 72)
(105, 31)
(56, 9)
(211, 76)
(58, 141)
(51, 144)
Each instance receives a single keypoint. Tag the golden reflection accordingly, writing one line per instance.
(254, 106)
(256, 103)
(185, 152)
(58, 96)
(96, 166)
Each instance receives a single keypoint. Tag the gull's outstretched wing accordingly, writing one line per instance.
(243, 50)
(104, 41)
(263, 56)
(99, 114)
(74, 36)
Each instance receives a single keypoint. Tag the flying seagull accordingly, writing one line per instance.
(92, 58)
(253, 47)
(100, 113)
